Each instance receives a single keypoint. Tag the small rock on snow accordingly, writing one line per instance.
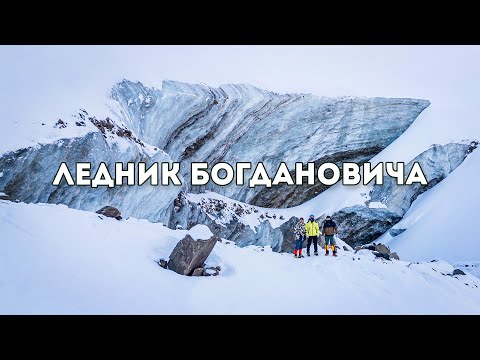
(198, 272)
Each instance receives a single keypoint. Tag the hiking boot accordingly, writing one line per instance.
(315, 253)
(308, 254)
(334, 254)
(326, 253)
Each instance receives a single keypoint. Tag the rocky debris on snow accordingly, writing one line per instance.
(212, 271)
(379, 250)
(177, 202)
(394, 255)
(472, 146)
(163, 263)
(190, 254)
(198, 271)
(4, 196)
(370, 247)
(473, 267)
(107, 126)
(226, 212)
(458, 272)
(345, 248)
(381, 255)
(110, 211)
(207, 271)
(60, 124)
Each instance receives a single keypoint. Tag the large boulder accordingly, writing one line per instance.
(359, 225)
(110, 211)
(383, 249)
(190, 254)
(286, 232)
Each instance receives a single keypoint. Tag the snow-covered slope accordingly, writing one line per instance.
(56, 260)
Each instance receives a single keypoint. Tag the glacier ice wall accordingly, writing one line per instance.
(27, 175)
(241, 123)
(362, 224)
(436, 162)
(231, 123)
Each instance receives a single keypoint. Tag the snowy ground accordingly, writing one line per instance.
(56, 260)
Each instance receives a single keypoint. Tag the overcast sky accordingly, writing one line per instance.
(41, 81)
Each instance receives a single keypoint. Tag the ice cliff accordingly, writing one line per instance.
(186, 123)
(241, 123)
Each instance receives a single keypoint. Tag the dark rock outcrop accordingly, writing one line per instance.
(381, 255)
(163, 263)
(458, 272)
(190, 254)
(360, 225)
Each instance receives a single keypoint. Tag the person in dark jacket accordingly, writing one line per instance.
(329, 229)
